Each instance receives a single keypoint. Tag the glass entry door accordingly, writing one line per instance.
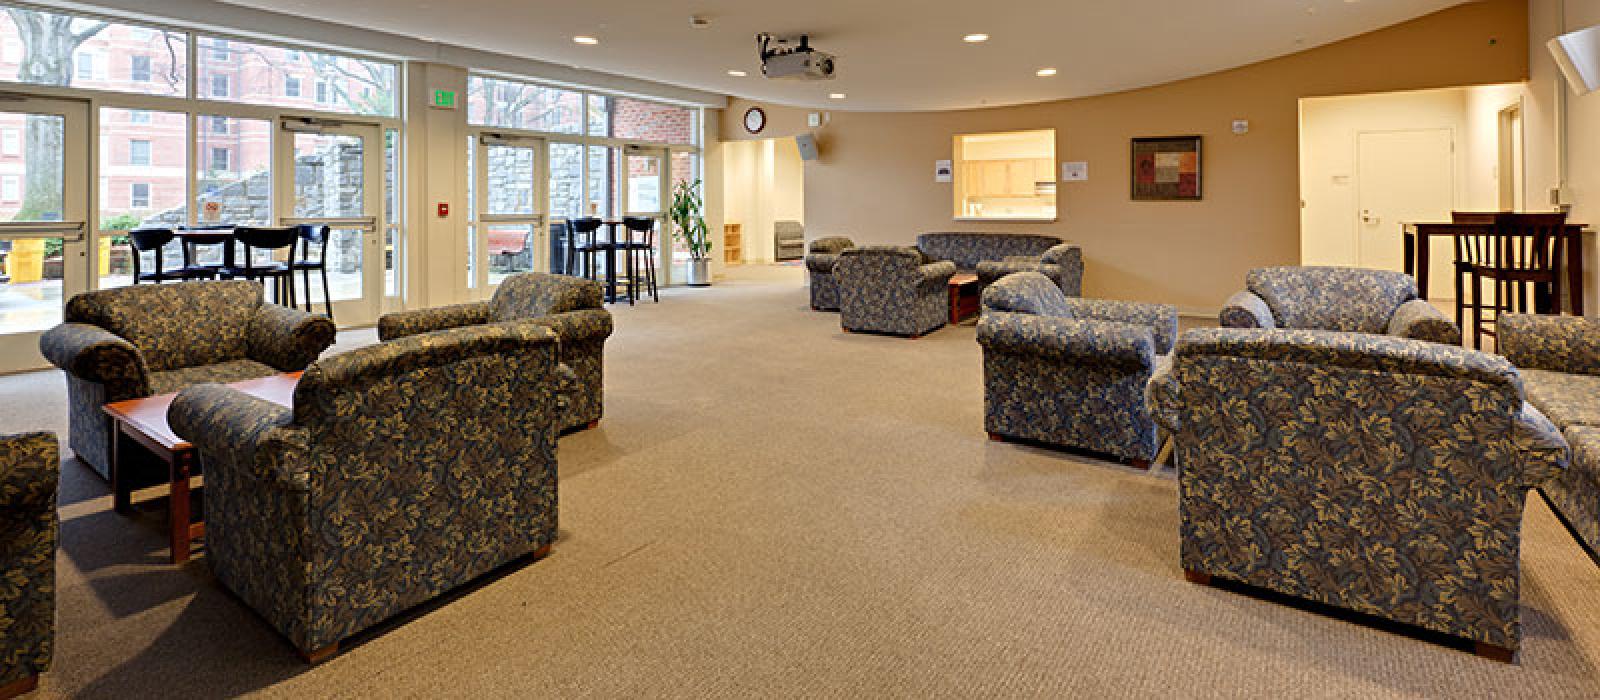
(44, 203)
(646, 193)
(508, 222)
(332, 175)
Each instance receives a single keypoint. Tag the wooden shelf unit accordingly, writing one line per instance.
(732, 244)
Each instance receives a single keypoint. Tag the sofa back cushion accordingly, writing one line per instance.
(1027, 293)
(1332, 298)
(535, 294)
(830, 244)
(966, 250)
(175, 325)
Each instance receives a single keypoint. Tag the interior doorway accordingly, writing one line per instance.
(763, 201)
(1509, 169)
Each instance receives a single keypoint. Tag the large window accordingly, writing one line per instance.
(517, 105)
(235, 169)
(59, 49)
(1007, 176)
(142, 184)
(270, 75)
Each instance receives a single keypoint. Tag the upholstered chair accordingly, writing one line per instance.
(1338, 299)
(133, 342)
(1062, 263)
(892, 289)
(1068, 371)
(29, 474)
(824, 253)
(570, 306)
(1559, 358)
(1378, 474)
(402, 471)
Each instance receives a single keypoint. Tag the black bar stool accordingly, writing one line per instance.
(155, 240)
(192, 248)
(646, 249)
(281, 273)
(582, 246)
(314, 236)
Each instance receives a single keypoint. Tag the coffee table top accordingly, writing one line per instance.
(149, 415)
(962, 279)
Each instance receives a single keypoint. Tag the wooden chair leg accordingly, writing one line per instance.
(1196, 577)
(1461, 301)
(1494, 653)
(317, 656)
(1477, 311)
(20, 686)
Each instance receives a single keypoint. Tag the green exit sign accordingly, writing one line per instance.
(444, 99)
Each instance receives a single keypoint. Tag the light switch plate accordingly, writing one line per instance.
(1241, 126)
(1075, 171)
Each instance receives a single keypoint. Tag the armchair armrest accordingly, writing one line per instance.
(251, 430)
(1070, 257)
(1246, 310)
(1161, 394)
(1086, 341)
(1161, 319)
(990, 271)
(1419, 320)
(936, 274)
(95, 354)
(288, 339)
(580, 326)
(1542, 452)
(403, 323)
(30, 466)
(1556, 343)
(822, 262)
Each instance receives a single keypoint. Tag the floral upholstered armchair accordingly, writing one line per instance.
(29, 474)
(1372, 473)
(404, 470)
(1063, 264)
(1559, 358)
(570, 306)
(1338, 299)
(1069, 371)
(892, 289)
(149, 339)
(823, 255)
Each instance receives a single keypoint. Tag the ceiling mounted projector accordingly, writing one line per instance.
(793, 59)
(1578, 54)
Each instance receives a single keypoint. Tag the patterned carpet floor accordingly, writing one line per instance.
(772, 508)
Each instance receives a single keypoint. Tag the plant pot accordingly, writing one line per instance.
(699, 273)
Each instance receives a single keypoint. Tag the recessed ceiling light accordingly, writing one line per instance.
(975, 38)
(737, 73)
(585, 40)
(1045, 72)
(836, 96)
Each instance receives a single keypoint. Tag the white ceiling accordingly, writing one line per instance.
(893, 54)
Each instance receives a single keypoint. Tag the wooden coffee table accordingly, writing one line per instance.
(964, 297)
(144, 421)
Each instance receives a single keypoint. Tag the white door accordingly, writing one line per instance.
(645, 193)
(332, 174)
(44, 204)
(1404, 176)
(507, 221)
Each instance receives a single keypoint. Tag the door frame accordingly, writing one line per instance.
(364, 310)
(20, 351)
(480, 218)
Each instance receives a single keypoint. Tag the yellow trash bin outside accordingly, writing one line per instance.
(25, 263)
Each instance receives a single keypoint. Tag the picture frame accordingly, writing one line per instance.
(1165, 169)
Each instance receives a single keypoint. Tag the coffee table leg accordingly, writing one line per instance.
(182, 465)
(121, 497)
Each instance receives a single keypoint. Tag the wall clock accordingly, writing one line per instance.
(755, 120)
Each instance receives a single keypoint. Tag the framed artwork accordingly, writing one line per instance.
(1166, 169)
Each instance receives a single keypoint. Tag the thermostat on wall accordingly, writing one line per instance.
(1241, 126)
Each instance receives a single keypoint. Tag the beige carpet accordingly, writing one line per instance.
(774, 508)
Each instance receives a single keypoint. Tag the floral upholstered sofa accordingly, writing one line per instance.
(892, 289)
(966, 250)
(571, 306)
(403, 470)
(1062, 263)
(1378, 474)
(1069, 371)
(823, 255)
(1559, 357)
(149, 339)
(29, 474)
(1337, 299)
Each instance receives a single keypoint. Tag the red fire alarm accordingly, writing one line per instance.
(444, 209)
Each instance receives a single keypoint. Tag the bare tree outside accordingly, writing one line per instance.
(48, 43)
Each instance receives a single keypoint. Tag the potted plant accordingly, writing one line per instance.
(689, 227)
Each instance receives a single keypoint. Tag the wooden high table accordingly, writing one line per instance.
(144, 421)
(1419, 236)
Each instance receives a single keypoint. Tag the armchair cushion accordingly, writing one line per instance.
(1028, 293)
(1160, 319)
(1556, 343)
(287, 339)
(175, 325)
(221, 373)
(400, 324)
(1567, 399)
(1332, 298)
(531, 295)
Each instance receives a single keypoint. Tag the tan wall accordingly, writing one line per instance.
(1548, 96)
(875, 179)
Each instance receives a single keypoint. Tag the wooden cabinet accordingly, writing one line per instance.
(1005, 178)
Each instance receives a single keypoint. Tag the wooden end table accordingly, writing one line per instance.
(964, 297)
(144, 421)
